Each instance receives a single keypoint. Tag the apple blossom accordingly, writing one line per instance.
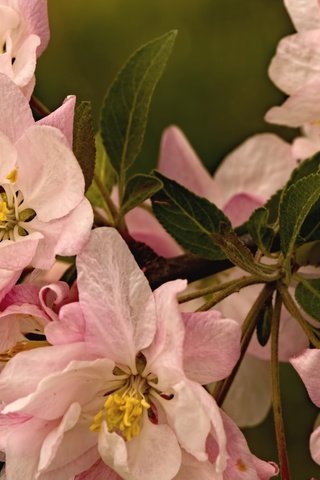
(24, 35)
(128, 394)
(307, 365)
(43, 211)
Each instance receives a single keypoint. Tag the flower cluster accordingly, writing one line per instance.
(103, 376)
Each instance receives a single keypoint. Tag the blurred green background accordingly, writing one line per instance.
(215, 88)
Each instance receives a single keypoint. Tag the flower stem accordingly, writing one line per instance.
(276, 394)
(295, 312)
(232, 286)
(222, 388)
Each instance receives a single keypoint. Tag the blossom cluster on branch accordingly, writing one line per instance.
(103, 376)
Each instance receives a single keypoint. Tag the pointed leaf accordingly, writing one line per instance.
(125, 110)
(139, 188)
(297, 202)
(104, 171)
(189, 219)
(83, 141)
(308, 296)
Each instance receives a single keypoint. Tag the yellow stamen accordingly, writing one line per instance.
(122, 412)
(3, 211)
(12, 176)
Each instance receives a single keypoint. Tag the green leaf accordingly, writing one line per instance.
(189, 219)
(308, 296)
(258, 228)
(297, 202)
(125, 110)
(104, 171)
(139, 188)
(83, 141)
(305, 168)
(308, 254)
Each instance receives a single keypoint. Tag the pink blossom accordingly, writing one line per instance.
(24, 35)
(247, 177)
(137, 349)
(43, 211)
(308, 367)
(295, 70)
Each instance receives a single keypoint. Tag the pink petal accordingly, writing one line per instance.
(49, 174)
(98, 471)
(192, 469)
(15, 255)
(69, 328)
(315, 445)
(178, 160)
(115, 298)
(296, 62)
(144, 227)
(16, 115)
(305, 14)
(307, 365)
(240, 464)
(35, 365)
(36, 14)
(183, 412)
(211, 346)
(262, 164)
(25, 63)
(265, 470)
(9, 157)
(302, 107)
(239, 208)
(62, 118)
(113, 451)
(7, 279)
(249, 399)
(21, 294)
(22, 455)
(81, 381)
(303, 148)
(52, 296)
(165, 354)
(154, 453)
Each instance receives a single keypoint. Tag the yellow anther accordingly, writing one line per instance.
(3, 211)
(122, 412)
(12, 176)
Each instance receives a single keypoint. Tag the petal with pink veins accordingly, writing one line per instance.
(68, 328)
(42, 362)
(115, 298)
(165, 354)
(62, 118)
(153, 454)
(211, 346)
(16, 115)
(15, 255)
(49, 175)
(36, 14)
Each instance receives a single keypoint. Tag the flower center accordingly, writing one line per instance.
(123, 409)
(14, 217)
